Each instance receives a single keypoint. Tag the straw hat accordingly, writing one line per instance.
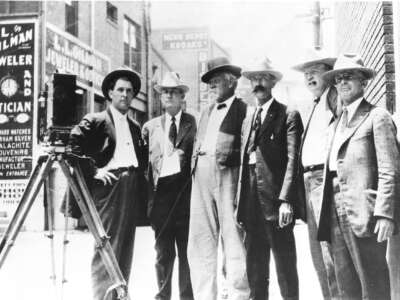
(262, 68)
(171, 80)
(313, 57)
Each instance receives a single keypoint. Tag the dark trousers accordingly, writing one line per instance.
(262, 237)
(360, 263)
(116, 206)
(175, 232)
(321, 252)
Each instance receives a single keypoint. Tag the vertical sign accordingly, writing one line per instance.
(18, 66)
(203, 88)
(16, 99)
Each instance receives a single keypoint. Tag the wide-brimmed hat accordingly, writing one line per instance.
(132, 76)
(348, 63)
(261, 68)
(220, 64)
(313, 57)
(171, 80)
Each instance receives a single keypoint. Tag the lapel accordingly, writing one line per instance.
(358, 118)
(159, 131)
(203, 126)
(271, 114)
(110, 126)
(184, 127)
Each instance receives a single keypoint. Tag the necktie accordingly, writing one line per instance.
(221, 105)
(256, 127)
(172, 131)
(345, 120)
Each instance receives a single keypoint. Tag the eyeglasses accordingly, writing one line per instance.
(259, 77)
(172, 91)
(346, 77)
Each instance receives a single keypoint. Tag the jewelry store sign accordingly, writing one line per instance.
(67, 54)
(17, 92)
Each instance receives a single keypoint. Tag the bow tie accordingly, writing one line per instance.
(221, 106)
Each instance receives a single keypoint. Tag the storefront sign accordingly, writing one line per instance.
(185, 40)
(66, 54)
(17, 92)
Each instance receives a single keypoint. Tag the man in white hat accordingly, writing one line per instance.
(170, 139)
(215, 168)
(312, 149)
(359, 208)
(116, 180)
(267, 193)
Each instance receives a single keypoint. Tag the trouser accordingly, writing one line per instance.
(176, 231)
(393, 256)
(212, 214)
(321, 252)
(263, 237)
(116, 206)
(360, 263)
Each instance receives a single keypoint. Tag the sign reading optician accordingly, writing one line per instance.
(67, 54)
(17, 92)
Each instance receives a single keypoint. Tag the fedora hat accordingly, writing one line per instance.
(348, 63)
(219, 64)
(313, 57)
(132, 76)
(262, 68)
(171, 80)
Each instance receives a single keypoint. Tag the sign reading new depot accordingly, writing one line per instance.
(17, 55)
(185, 40)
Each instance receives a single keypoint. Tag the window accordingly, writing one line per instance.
(71, 17)
(112, 13)
(132, 45)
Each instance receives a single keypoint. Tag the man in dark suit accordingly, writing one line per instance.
(215, 168)
(312, 156)
(359, 208)
(114, 142)
(170, 139)
(267, 198)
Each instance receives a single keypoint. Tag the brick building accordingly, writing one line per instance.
(84, 38)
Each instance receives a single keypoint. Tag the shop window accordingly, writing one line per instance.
(132, 45)
(112, 13)
(71, 17)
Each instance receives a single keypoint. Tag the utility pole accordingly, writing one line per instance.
(316, 21)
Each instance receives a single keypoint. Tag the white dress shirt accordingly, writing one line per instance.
(265, 108)
(214, 123)
(124, 153)
(337, 139)
(170, 163)
(314, 150)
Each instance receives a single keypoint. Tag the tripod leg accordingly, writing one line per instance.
(65, 243)
(95, 226)
(50, 229)
(40, 172)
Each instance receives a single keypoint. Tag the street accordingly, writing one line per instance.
(26, 273)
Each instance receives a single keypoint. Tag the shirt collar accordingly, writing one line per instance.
(177, 116)
(266, 105)
(351, 108)
(228, 102)
(116, 114)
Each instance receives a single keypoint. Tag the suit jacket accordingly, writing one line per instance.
(153, 133)
(228, 142)
(368, 165)
(277, 162)
(95, 137)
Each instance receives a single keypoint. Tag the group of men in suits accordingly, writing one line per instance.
(239, 178)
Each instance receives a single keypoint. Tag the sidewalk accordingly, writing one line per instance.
(26, 272)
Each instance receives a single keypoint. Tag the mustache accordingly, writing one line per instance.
(259, 88)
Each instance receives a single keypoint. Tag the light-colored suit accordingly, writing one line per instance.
(365, 189)
(215, 177)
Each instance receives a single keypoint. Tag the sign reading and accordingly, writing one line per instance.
(17, 54)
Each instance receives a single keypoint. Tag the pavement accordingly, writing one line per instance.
(26, 273)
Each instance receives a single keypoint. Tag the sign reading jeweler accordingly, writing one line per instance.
(17, 54)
